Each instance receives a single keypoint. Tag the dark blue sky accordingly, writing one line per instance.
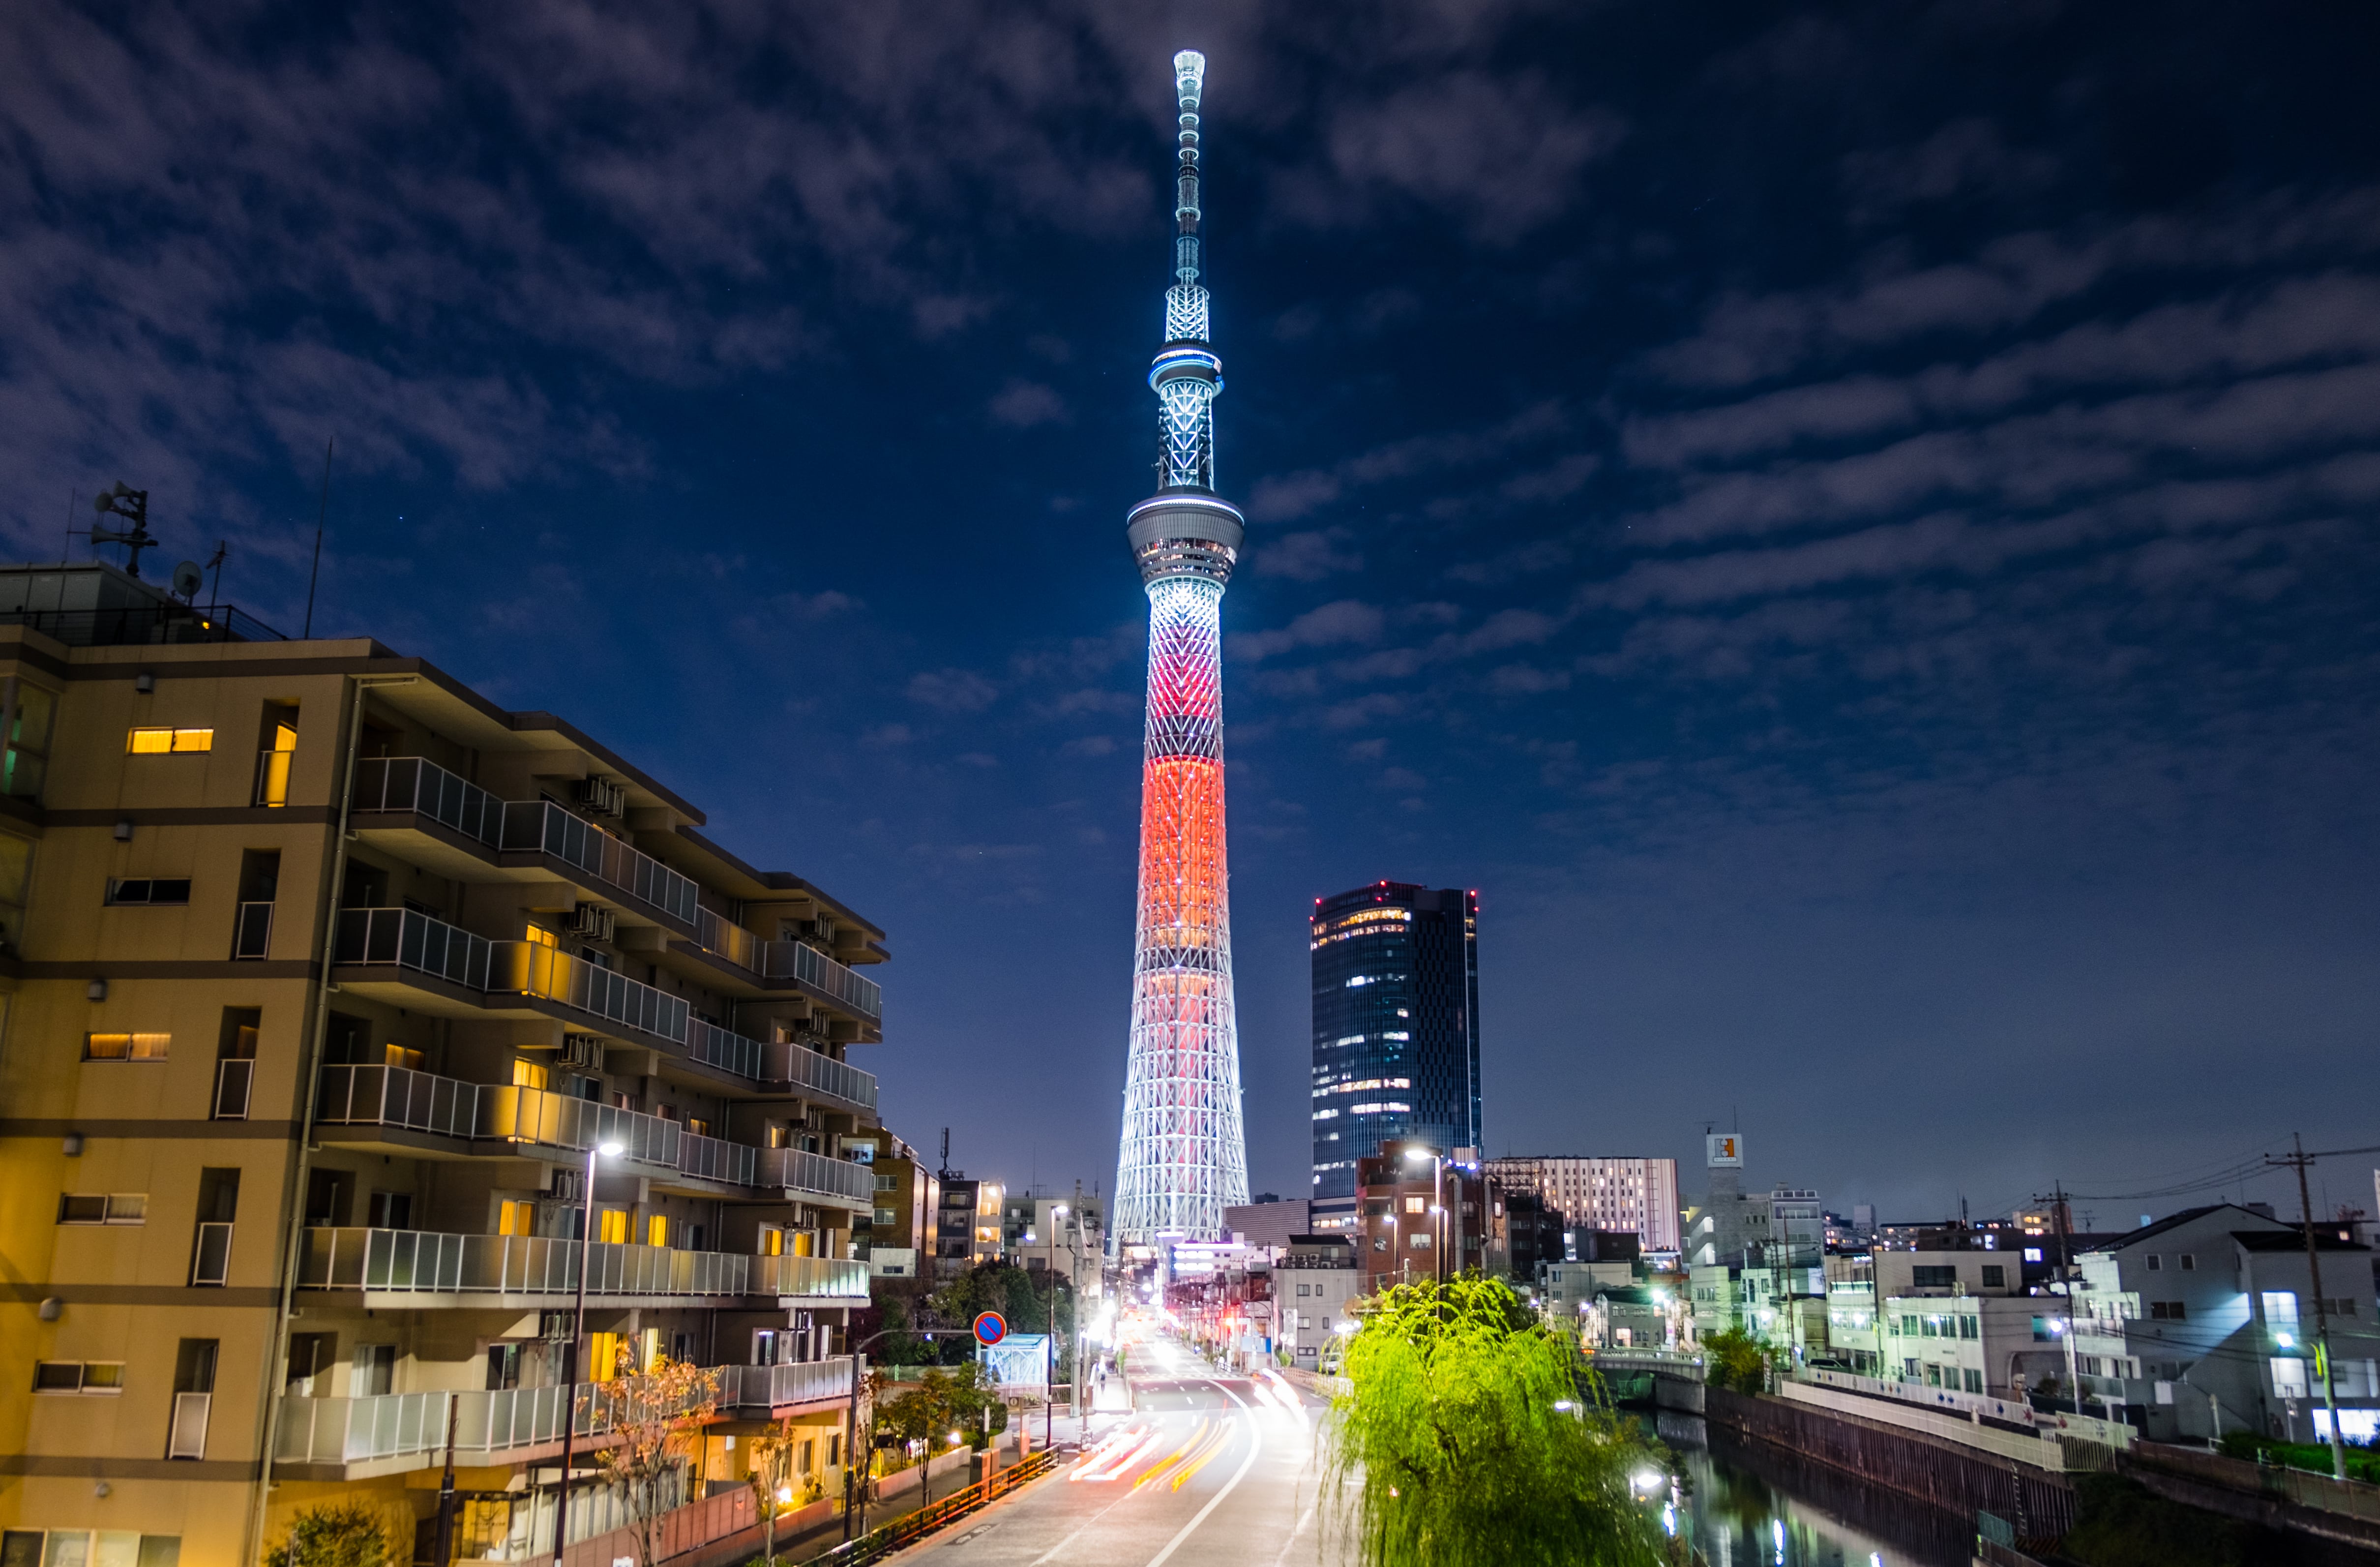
(1853, 527)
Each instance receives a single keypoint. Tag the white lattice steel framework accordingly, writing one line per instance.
(1184, 1157)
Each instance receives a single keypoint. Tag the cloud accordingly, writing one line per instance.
(952, 690)
(1088, 746)
(1021, 404)
(1346, 620)
(1522, 680)
(885, 737)
(1309, 556)
(1282, 497)
(1964, 157)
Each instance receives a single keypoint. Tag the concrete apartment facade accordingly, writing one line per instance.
(1596, 1192)
(324, 975)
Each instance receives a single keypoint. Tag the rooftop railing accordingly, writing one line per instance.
(425, 1262)
(797, 1169)
(799, 959)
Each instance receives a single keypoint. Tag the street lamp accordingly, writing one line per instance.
(570, 1351)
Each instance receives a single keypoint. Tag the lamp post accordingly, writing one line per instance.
(570, 1351)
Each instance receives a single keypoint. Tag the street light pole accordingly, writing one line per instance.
(570, 1351)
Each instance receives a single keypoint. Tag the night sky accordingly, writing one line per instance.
(1853, 527)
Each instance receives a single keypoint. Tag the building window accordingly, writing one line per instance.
(2189, 1263)
(1414, 1205)
(1994, 1275)
(1974, 1381)
(612, 1226)
(2166, 1311)
(168, 742)
(115, 1207)
(126, 1046)
(2156, 1263)
(149, 892)
(83, 1548)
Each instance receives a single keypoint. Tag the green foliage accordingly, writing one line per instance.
(2118, 1522)
(1022, 1295)
(339, 1535)
(938, 1404)
(2362, 1462)
(1734, 1359)
(1450, 1452)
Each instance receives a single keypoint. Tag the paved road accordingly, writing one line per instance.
(1208, 1471)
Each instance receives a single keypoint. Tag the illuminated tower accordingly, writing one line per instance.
(1183, 1157)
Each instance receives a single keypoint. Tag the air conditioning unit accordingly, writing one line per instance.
(820, 932)
(582, 1050)
(593, 921)
(556, 1327)
(562, 1186)
(601, 795)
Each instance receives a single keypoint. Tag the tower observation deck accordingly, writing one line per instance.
(1184, 1157)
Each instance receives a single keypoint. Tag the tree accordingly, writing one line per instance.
(1472, 1437)
(1734, 1358)
(941, 1400)
(337, 1535)
(656, 1416)
(772, 1454)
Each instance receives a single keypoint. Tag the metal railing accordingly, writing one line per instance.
(405, 939)
(536, 1116)
(722, 1047)
(831, 1277)
(547, 828)
(425, 1262)
(799, 959)
(726, 939)
(188, 1439)
(360, 1430)
(773, 1387)
(273, 777)
(807, 1068)
(210, 1256)
(408, 939)
(136, 624)
(251, 930)
(798, 1170)
(709, 1158)
(425, 788)
(234, 1080)
(396, 1096)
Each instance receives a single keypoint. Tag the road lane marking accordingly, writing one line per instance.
(1255, 1446)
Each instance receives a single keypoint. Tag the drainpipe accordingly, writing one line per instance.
(276, 1355)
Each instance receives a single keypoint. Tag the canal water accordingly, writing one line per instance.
(1747, 1504)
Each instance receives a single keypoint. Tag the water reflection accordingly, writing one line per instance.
(1750, 1505)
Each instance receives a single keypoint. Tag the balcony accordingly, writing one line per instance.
(251, 934)
(414, 1262)
(816, 1175)
(810, 1278)
(234, 1081)
(507, 1425)
(396, 1096)
(778, 961)
(535, 1116)
(722, 1047)
(416, 786)
(805, 1068)
(400, 938)
(709, 1158)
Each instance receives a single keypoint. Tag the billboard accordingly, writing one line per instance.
(1723, 1151)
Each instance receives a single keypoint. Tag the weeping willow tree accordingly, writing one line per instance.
(1467, 1440)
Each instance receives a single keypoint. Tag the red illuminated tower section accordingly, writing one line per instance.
(1184, 1157)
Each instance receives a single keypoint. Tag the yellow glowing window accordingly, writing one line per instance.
(163, 742)
(604, 1353)
(612, 1226)
(544, 937)
(802, 1244)
(527, 1074)
(127, 1047)
(772, 1241)
(516, 1217)
(657, 1230)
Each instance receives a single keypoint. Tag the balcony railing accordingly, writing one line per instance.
(251, 931)
(729, 941)
(546, 827)
(408, 939)
(187, 1437)
(423, 1262)
(394, 1095)
(535, 1116)
(833, 1277)
(709, 1158)
(799, 1170)
(773, 1387)
(273, 777)
(427, 789)
(725, 1049)
(234, 1080)
(807, 1068)
(211, 1257)
(799, 959)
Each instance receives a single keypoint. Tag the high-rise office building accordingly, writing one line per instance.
(345, 1011)
(1396, 1030)
(1635, 1195)
(1183, 1157)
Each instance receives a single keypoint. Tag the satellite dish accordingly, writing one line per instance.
(186, 580)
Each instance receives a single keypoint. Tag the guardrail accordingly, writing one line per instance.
(2012, 1411)
(879, 1543)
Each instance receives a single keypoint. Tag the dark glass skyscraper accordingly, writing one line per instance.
(1396, 1028)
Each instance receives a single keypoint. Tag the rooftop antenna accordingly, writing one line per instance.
(321, 518)
(946, 1153)
(133, 506)
(216, 565)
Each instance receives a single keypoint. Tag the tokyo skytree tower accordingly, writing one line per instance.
(1183, 1156)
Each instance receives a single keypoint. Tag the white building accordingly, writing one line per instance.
(1593, 1193)
(1312, 1284)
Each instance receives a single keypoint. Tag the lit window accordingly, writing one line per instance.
(612, 1226)
(544, 937)
(528, 1074)
(516, 1217)
(657, 1230)
(127, 1047)
(165, 742)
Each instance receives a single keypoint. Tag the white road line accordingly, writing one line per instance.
(1255, 1446)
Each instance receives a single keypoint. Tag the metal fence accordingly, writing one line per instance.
(802, 1171)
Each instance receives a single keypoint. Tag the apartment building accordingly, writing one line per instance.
(967, 1233)
(1595, 1193)
(337, 999)
(897, 1239)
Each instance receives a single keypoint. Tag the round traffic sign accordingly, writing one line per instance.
(991, 1327)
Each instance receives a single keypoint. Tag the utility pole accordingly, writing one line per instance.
(2300, 1158)
(2065, 1275)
